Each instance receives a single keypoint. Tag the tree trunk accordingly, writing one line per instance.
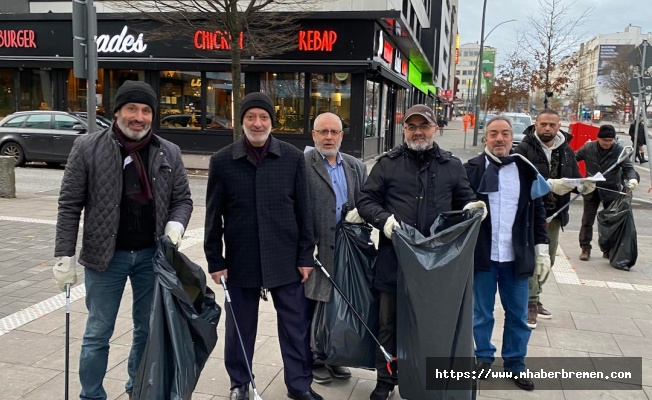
(236, 71)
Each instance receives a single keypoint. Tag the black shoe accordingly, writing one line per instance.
(524, 383)
(309, 395)
(240, 393)
(482, 370)
(321, 375)
(382, 391)
(605, 254)
(339, 372)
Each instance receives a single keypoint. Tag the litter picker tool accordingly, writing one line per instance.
(625, 153)
(67, 355)
(237, 329)
(388, 357)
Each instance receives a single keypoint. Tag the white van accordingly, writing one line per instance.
(522, 118)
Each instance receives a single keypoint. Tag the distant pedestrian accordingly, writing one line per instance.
(132, 188)
(640, 140)
(441, 123)
(466, 121)
(259, 236)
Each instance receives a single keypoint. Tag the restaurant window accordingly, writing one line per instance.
(76, 93)
(331, 92)
(35, 90)
(372, 103)
(219, 100)
(116, 79)
(7, 95)
(180, 102)
(287, 91)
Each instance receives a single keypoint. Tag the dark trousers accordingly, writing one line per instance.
(588, 218)
(293, 313)
(387, 337)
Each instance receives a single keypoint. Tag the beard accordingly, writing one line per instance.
(420, 146)
(256, 140)
(328, 153)
(130, 133)
(545, 138)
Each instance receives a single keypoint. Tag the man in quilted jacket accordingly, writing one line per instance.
(132, 187)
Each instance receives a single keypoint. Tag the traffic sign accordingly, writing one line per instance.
(632, 85)
(635, 57)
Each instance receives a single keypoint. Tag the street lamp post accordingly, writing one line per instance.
(479, 65)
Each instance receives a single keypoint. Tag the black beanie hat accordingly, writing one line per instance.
(607, 131)
(135, 92)
(257, 100)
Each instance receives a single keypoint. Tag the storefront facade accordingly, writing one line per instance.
(347, 63)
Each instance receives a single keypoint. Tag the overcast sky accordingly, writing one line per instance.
(608, 16)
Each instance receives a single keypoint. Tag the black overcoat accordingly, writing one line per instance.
(262, 213)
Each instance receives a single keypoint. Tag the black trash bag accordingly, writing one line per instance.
(182, 328)
(337, 336)
(435, 305)
(617, 233)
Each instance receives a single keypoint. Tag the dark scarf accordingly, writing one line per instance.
(256, 153)
(489, 181)
(555, 173)
(135, 175)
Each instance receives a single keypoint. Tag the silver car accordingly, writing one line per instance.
(40, 136)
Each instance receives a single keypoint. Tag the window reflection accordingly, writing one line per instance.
(372, 102)
(180, 102)
(219, 100)
(35, 90)
(7, 95)
(331, 92)
(287, 91)
(76, 94)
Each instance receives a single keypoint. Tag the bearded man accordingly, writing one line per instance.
(412, 183)
(133, 188)
(258, 211)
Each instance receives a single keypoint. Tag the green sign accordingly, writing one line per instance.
(488, 64)
(414, 77)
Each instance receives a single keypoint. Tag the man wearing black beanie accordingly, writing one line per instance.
(599, 156)
(133, 188)
(258, 207)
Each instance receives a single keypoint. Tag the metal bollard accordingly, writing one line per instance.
(7, 177)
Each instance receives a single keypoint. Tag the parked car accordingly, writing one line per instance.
(481, 120)
(102, 122)
(40, 135)
(522, 118)
(194, 122)
(518, 128)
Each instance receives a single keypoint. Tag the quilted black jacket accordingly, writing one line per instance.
(93, 182)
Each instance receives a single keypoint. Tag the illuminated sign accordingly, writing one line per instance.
(195, 82)
(121, 43)
(22, 39)
(388, 51)
(457, 48)
(214, 40)
(404, 68)
(311, 40)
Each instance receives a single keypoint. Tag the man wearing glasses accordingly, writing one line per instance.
(413, 183)
(334, 179)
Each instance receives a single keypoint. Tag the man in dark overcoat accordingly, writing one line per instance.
(334, 179)
(257, 201)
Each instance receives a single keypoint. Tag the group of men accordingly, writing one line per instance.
(272, 209)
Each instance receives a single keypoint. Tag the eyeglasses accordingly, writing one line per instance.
(422, 128)
(325, 132)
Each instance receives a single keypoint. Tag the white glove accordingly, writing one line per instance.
(632, 183)
(542, 261)
(586, 187)
(390, 225)
(560, 187)
(174, 230)
(353, 217)
(315, 252)
(477, 204)
(64, 272)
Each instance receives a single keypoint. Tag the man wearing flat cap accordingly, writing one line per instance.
(132, 187)
(257, 204)
(392, 194)
(599, 156)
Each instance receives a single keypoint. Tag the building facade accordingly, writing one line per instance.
(466, 71)
(374, 59)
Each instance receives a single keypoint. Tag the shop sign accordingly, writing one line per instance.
(457, 48)
(388, 51)
(195, 82)
(20, 39)
(397, 62)
(121, 43)
(404, 68)
(313, 40)
(214, 40)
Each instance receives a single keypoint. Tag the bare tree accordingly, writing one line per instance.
(250, 28)
(620, 71)
(512, 82)
(550, 35)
